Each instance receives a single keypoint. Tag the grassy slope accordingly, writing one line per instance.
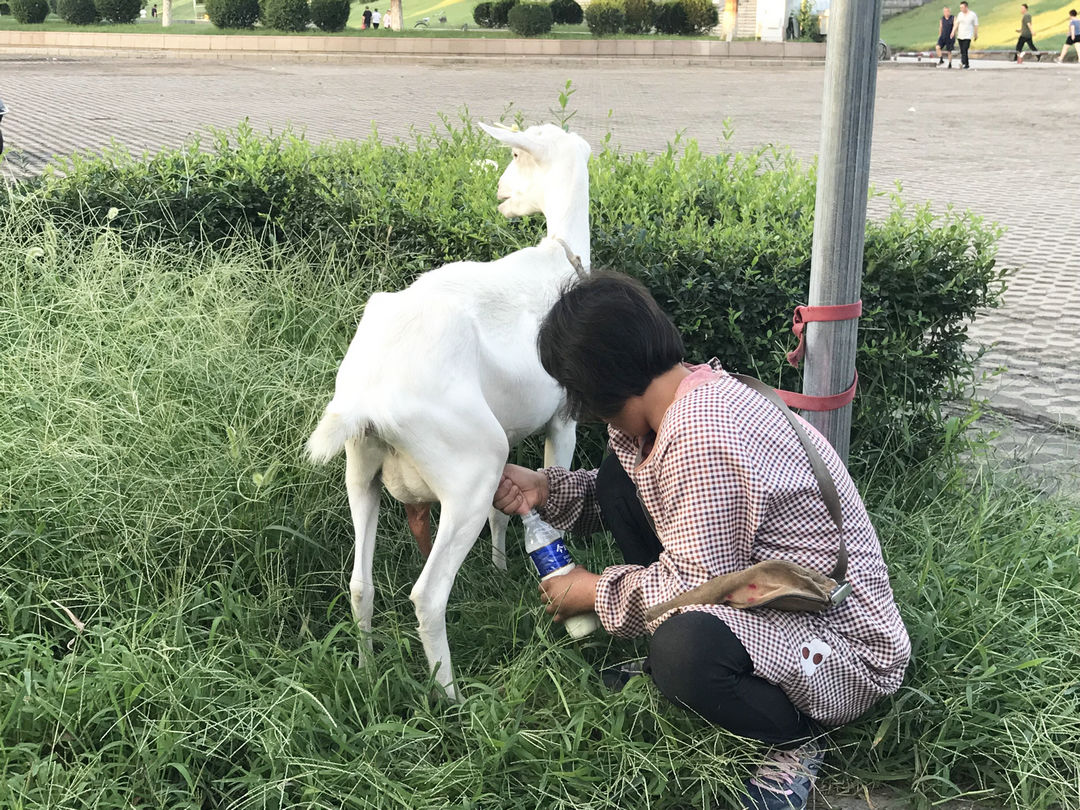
(998, 21)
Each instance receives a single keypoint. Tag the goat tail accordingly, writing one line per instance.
(329, 437)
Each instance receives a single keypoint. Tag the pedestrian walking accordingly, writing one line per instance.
(1073, 37)
(945, 39)
(965, 31)
(1025, 34)
(366, 18)
(153, 11)
(706, 477)
(376, 18)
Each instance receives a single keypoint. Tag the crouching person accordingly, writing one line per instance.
(707, 477)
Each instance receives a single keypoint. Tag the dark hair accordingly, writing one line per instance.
(1024, 5)
(604, 341)
(1072, 12)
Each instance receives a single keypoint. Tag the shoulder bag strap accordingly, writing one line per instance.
(821, 472)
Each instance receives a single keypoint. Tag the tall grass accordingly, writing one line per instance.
(153, 403)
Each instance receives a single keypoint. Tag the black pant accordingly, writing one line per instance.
(694, 658)
(964, 45)
(1025, 40)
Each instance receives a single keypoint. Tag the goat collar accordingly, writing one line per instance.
(574, 259)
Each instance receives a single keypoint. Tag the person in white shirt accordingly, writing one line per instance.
(376, 18)
(965, 30)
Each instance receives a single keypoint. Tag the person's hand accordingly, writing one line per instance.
(520, 490)
(569, 594)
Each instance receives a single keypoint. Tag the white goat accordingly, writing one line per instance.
(444, 376)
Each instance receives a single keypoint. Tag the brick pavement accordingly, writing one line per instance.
(1000, 142)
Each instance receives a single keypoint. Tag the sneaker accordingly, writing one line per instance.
(785, 779)
(949, 66)
(616, 677)
(941, 61)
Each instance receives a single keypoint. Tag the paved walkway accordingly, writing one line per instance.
(1000, 141)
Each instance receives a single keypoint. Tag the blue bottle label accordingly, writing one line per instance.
(551, 557)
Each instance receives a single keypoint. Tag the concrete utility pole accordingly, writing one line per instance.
(847, 123)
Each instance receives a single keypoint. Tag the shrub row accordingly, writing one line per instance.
(78, 12)
(672, 17)
(282, 15)
(29, 11)
(498, 14)
(233, 13)
(495, 14)
(723, 242)
(530, 19)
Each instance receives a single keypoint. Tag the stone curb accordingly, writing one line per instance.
(346, 49)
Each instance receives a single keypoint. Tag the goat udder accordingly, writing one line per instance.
(419, 517)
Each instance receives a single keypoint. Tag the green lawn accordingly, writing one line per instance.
(998, 21)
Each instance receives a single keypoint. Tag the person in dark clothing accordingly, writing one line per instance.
(1025, 34)
(945, 39)
(367, 18)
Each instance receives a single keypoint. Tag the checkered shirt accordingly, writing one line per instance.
(728, 484)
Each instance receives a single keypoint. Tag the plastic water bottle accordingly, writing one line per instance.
(549, 554)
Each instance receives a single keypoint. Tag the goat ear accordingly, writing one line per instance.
(516, 140)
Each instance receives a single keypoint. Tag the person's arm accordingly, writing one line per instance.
(566, 499)
(940, 26)
(975, 30)
(955, 28)
(712, 513)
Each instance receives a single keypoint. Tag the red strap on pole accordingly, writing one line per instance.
(805, 402)
(803, 316)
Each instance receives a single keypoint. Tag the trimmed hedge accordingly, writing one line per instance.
(500, 12)
(482, 15)
(30, 12)
(233, 13)
(671, 18)
(78, 12)
(566, 12)
(285, 15)
(723, 242)
(702, 15)
(530, 19)
(639, 16)
(330, 15)
(605, 17)
(118, 11)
